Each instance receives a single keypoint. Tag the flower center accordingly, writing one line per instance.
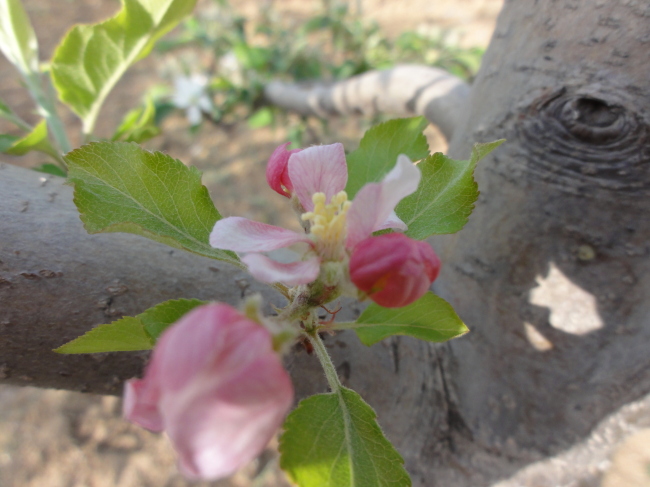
(328, 224)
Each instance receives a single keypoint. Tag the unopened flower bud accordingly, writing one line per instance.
(277, 173)
(393, 269)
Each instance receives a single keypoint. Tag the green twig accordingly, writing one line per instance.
(326, 362)
(48, 110)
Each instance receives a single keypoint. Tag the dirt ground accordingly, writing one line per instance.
(64, 439)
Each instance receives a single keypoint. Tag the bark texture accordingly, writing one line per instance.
(551, 272)
(57, 281)
(405, 90)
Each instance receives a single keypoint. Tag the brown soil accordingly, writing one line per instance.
(64, 439)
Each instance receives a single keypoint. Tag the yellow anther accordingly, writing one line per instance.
(318, 198)
(328, 223)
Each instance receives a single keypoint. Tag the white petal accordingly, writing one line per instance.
(205, 103)
(321, 168)
(244, 235)
(393, 222)
(363, 215)
(267, 270)
(400, 182)
(194, 115)
(375, 203)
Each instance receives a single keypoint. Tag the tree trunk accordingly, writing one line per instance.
(550, 274)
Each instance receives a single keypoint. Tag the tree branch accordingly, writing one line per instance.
(57, 281)
(404, 90)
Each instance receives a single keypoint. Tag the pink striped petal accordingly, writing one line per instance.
(293, 274)
(321, 168)
(375, 203)
(244, 235)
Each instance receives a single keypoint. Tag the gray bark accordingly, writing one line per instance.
(551, 272)
(57, 282)
(404, 90)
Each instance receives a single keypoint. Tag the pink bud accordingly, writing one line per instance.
(216, 386)
(277, 174)
(392, 269)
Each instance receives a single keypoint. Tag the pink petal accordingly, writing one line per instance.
(218, 427)
(221, 389)
(375, 202)
(140, 404)
(244, 235)
(292, 274)
(277, 174)
(392, 222)
(321, 168)
(393, 270)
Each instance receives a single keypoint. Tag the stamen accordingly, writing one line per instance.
(328, 223)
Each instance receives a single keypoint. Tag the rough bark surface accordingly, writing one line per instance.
(551, 273)
(57, 281)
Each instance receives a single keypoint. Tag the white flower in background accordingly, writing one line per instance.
(231, 69)
(190, 94)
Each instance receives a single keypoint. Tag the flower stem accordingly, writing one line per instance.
(326, 362)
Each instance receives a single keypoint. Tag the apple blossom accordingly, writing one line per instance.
(393, 270)
(190, 94)
(316, 177)
(216, 386)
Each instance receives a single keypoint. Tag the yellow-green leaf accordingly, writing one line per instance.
(132, 332)
(334, 440)
(17, 39)
(120, 187)
(379, 148)
(92, 58)
(445, 198)
(124, 335)
(35, 140)
(430, 318)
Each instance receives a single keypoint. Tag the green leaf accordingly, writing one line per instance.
(124, 335)
(120, 187)
(35, 140)
(139, 124)
(430, 318)
(5, 111)
(6, 141)
(17, 39)
(251, 57)
(157, 319)
(379, 148)
(334, 440)
(92, 58)
(446, 195)
(53, 169)
(132, 332)
(261, 118)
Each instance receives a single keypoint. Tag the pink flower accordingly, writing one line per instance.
(317, 177)
(216, 386)
(393, 270)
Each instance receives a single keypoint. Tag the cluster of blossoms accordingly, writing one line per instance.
(215, 382)
(341, 254)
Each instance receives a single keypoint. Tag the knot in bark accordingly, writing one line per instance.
(587, 139)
